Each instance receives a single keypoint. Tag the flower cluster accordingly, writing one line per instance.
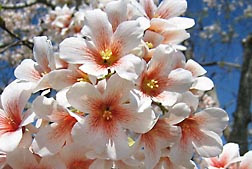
(122, 96)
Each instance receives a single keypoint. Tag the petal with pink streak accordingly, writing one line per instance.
(213, 119)
(127, 36)
(168, 9)
(161, 136)
(154, 38)
(207, 144)
(28, 70)
(74, 156)
(91, 67)
(86, 94)
(65, 78)
(149, 7)
(21, 159)
(10, 140)
(116, 11)
(101, 164)
(100, 28)
(129, 67)
(51, 162)
(175, 37)
(14, 99)
(50, 139)
(114, 87)
(76, 50)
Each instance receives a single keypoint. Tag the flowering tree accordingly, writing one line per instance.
(117, 92)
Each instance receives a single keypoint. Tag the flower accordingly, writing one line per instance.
(105, 50)
(111, 111)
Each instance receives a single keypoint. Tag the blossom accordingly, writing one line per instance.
(159, 81)
(51, 138)
(37, 72)
(13, 99)
(201, 131)
(106, 50)
(228, 157)
(110, 111)
(28, 160)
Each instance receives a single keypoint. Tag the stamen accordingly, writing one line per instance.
(149, 44)
(107, 115)
(153, 84)
(106, 54)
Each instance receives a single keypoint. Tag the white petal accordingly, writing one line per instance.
(21, 159)
(85, 92)
(42, 52)
(213, 119)
(100, 28)
(129, 67)
(178, 113)
(43, 107)
(75, 50)
(127, 36)
(61, 98)
(168, 8)
(52, 162)
(143, 121)
(191, 100)
(116, 11)
(59, 79)
(92, 68)
(28, 71)
(119, 87)
(175, 37)
(246, 162)
(166, 98)
(10, 140)
(180, 80)
(14, 99)
(208, 145)
(203, 84)
(195, 68)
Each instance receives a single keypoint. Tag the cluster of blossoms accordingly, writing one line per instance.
(122, 96)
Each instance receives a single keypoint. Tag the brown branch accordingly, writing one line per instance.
(13, 35)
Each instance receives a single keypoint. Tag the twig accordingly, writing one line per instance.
(25, 5)
(24, 42)
(222, 64)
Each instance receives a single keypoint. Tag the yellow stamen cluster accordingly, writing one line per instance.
(44, 73)
(153, 84)
(106, 54)
(149, 44)
(107, 115)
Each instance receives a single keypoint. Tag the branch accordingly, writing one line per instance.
(222, 64)
(18, 6)
(25, 5)
(24, 42)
